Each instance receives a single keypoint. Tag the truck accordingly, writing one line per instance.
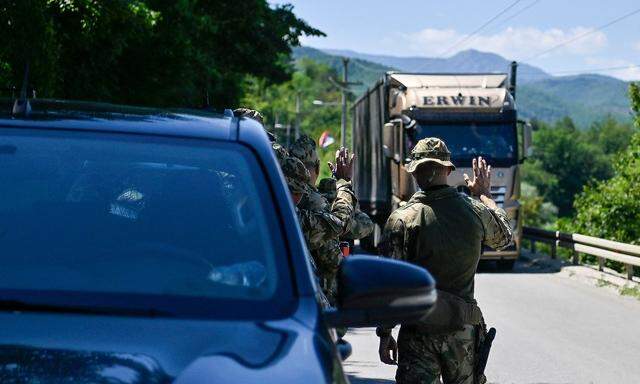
(474, 113)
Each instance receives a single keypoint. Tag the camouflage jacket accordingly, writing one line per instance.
(444, 231)
(361, 225)
(323, 225)
(337, 217)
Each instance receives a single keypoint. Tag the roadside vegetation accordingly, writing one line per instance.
(318, 106)
(589, 178)
(146, 52)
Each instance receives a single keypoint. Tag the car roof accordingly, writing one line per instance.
(77, 115)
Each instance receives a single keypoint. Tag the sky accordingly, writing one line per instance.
(524, 32)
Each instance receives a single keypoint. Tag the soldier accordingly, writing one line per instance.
(328, 221)
(314, 225)
(278, 149)
(305, 149)
(443, 231)
(296, 176)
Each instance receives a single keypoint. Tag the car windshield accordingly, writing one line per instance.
(180, 226)
(495, 141)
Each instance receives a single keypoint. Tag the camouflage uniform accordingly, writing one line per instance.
(295, 174)
(443, 231)
(314, 225)
(279, 150)
(361, 225)
(326, 222)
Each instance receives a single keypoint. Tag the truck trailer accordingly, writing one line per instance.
(475, 114)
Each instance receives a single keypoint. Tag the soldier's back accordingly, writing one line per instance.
(443, 232)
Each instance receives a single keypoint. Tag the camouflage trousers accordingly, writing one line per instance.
(423, 358)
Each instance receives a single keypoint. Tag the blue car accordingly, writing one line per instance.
(148, 246)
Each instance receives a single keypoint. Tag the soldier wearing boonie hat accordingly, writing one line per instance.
(431, 150)
(443, 231)
(278, 149)
(295, 174)
(324, 196)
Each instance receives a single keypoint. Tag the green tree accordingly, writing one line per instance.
(610, 135)
(563, 162)
(611, 209)
(278, 104)
(537, 212)
(147, 52)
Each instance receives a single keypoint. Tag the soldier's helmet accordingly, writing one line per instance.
(327, 187)
(295, 173)
(255, 115)
(431, 150)
(305, 149)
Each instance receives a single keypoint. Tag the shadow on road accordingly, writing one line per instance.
(361, 380)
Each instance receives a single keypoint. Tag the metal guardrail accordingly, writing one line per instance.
(627, 254)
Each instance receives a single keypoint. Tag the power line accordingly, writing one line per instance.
(582, 35)
(467, 37)
(521, 11)
(503, 22)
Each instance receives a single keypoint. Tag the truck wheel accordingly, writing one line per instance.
(505, 265)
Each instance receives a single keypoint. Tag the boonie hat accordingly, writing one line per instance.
(295, 173)
(305, 149)
(431, 150)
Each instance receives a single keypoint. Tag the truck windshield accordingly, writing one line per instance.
(495, 141)
(138, 223)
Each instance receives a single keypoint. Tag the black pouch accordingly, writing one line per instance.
(450, 314)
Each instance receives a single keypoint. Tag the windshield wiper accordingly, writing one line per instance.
(24, 306)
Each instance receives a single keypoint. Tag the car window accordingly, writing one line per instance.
(133, 215)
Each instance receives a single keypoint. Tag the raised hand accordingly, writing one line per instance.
(481, 183)
(343, 167)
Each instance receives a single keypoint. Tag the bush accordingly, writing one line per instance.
(610, 209)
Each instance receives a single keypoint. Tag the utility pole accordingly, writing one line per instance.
(344, 87)
(345, 81)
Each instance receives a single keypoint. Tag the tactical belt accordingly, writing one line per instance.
(450, 314)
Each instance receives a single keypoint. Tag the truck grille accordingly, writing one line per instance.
(498, 193)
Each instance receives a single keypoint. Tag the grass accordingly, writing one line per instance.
(630, 291)
(603, 283)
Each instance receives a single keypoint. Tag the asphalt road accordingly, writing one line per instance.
(552, 328)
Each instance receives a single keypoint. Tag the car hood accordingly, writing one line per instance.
(68, 348)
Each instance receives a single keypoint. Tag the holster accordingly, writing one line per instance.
(450, 314)
(484, 340)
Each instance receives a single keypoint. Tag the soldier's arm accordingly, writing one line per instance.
(318, 227)
(497, 230)
(361, 226)
(343, 207)
(393, 242)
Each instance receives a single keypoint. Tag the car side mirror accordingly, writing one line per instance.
(376, 291)
(387, 141)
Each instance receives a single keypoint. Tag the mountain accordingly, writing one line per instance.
(360, 70)
(584, 98)
(469, 61)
